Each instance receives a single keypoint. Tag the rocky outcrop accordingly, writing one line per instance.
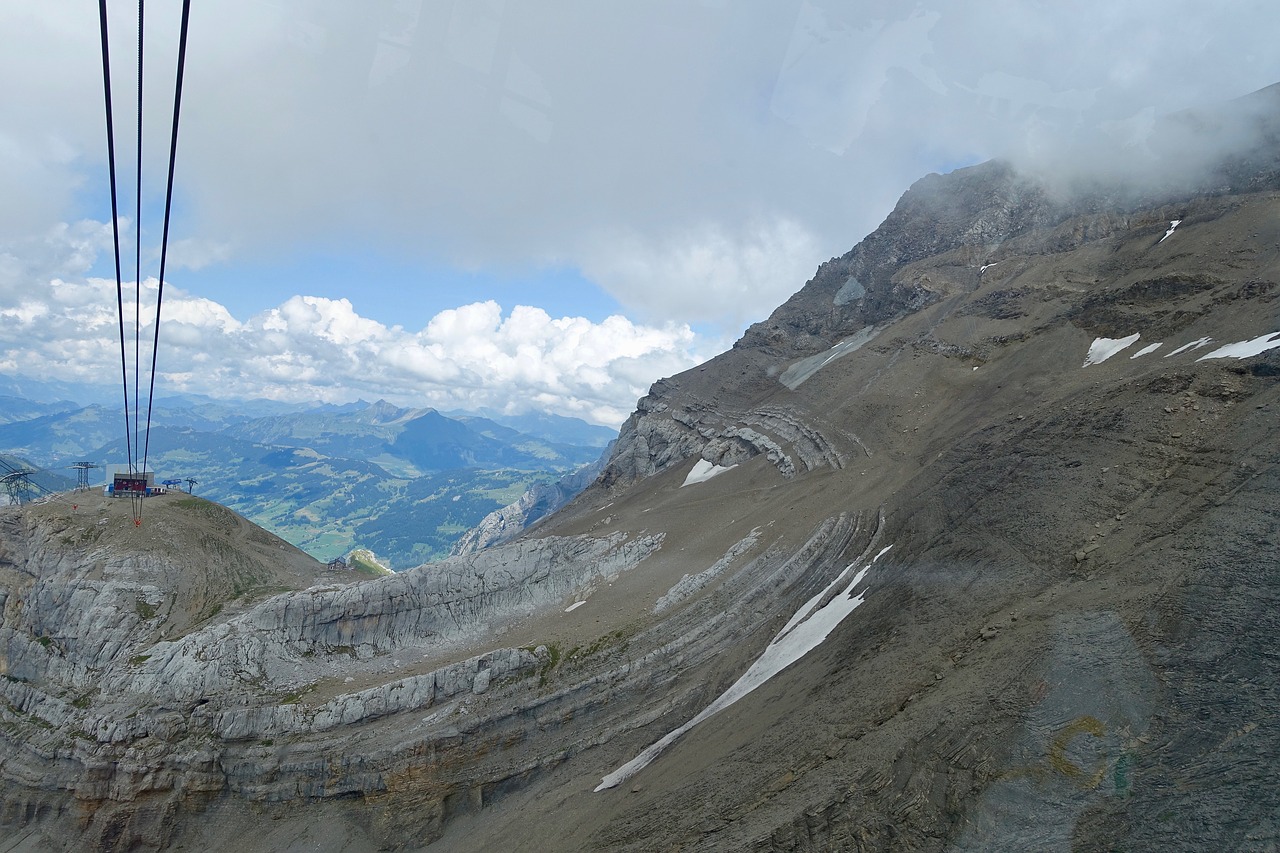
(542, 499)
(967, 213)
(660, 435)
(80, 621)
(289, 641)
(690, 585)
(970, 211)
(415, 693)
(154, 722)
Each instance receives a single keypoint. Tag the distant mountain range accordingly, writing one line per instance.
(20, 409)
(404, 483)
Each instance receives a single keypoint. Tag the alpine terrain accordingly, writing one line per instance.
(972, 545)
(404, 483)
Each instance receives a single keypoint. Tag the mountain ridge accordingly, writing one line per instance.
(979, 558)
(967, 217)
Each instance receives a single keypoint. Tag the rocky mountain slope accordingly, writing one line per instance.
(538, 502)
(971, 546)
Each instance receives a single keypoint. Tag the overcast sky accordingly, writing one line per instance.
(468, 203)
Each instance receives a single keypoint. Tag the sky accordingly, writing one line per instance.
(524, 205)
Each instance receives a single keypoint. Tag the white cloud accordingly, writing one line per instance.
(193, 254)
(313, 348)
(728, 278)
(834, 72)
(59, 250)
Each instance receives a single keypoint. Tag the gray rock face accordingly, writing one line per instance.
(689, 585)
(415, 693)
(287, 640)
(94, 687)
(276, 644)
(162, 721)
(971, 210)
(660, 435)
(503, 525)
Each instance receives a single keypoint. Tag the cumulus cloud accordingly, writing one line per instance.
(316, 349)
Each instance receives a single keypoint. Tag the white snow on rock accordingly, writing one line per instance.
(795, 375)
(574, 606)
(703, 471)
(1173, 225)
(1147, 350)
(1244, 349)
(1196, 344)
(1103, 348)
(804, 632)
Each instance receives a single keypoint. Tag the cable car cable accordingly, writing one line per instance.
(137, 283)
(115, 223)
(168, 207)
(132, 426)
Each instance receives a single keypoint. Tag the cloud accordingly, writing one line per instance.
(192, 253)
(706, 272)
(316, 349)
(697, 161)
(834, 71)
(62, 250)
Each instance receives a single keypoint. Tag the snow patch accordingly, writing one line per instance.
(703, 471)
(1173, 225)
(574, 606)
(795, 375)
(1196, 344)
(1147, 350)
(804, 632)
(1103, 348)
(1244, 349)
(983, 268)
